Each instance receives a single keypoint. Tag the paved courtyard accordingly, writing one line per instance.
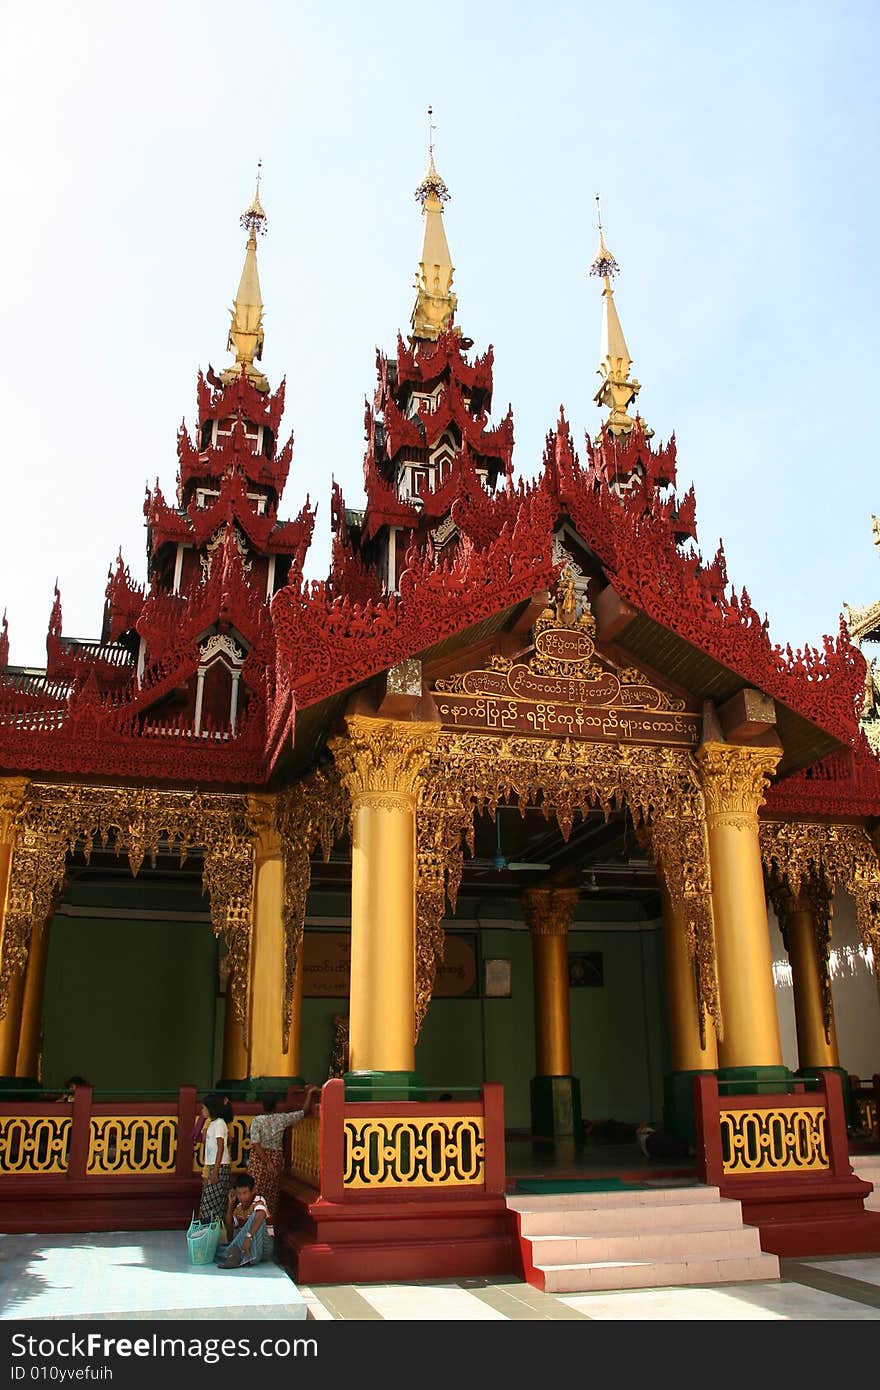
(146, 1274)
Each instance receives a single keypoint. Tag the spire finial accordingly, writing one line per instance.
(254, 219)
(603, 263)
(435, 302)
(431, 184)
(617, 390)
(246, 330)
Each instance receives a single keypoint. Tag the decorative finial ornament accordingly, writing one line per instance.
(246, 329)
(603, 263)
(435, 301)
(432, 182)
(618, 389)
(254, 219)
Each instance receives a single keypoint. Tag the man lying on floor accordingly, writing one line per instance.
(248, 1240)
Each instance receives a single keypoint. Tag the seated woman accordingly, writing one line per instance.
(247, 1233)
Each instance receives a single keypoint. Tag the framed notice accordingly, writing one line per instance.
(585, 969)
(497, 978)
(327, 966)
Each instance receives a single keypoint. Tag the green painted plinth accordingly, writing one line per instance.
(678, 1102)
(812, 1076)
(384, 1085)
(760, 1081)
(20, 1083)
(556, 1107)
(252, 1087)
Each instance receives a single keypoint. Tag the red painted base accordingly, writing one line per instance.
(433, 1238)
(828, 1237)
(810, 1218)
(44, 1206)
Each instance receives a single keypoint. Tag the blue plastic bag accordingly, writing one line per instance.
(203, 1238)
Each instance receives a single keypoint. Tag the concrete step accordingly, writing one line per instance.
(651, 1238)
(641, 1197)
(867, 1167)
(652, 1246)
(720, 1215)
(716, 1267)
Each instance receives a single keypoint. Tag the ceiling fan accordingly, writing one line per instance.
(501, 862)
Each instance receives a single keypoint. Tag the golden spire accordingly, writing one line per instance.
(246, 330)
(617, 390)
(435, 302)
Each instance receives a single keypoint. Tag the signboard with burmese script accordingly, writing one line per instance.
(327, 961)
(564, 691)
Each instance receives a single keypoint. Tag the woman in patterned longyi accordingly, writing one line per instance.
(267, 1138)
(215, 1172)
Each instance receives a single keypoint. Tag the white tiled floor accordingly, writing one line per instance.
(133, 1274)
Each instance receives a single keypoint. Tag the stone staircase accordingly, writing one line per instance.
(578, 1242)
(867, 1167)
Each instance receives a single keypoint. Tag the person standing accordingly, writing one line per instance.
(215, 1171)
(266, 1158)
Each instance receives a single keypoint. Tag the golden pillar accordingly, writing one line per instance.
(12, 791)
(810, 983)
(548, 912)
(688, 1052)
(30, 1040)
(555, 1093)
(235, 1053)
(380, 763)
(268, 1058)
(734, 779)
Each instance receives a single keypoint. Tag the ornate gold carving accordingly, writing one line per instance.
(339, 1049)
(305, 1151)
(566, 778)
(125, 1144)
(680, 848)
(431, 1151)
(32, 1144)
(382, 755)
(564, 691)
(820, 858)
(734, 780)
(444, 824)
(774, 1141)
(12, 795)
(548, 911)
(312, 814)
(58, 819)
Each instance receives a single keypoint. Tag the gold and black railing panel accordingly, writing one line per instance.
(31, 1145)
(774, 1141)
(305, 1151)
(868, 1123)
(238, 1144)
(123, 1145)
(437, 1151)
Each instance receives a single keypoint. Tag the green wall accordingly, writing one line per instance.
(130, 1003)
(618, 1030)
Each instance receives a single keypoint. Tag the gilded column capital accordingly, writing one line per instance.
(382, 760)
(13, 791)
(734, 779)
(549, 911)
(262, 809)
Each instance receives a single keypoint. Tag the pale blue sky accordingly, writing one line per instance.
(732, 145)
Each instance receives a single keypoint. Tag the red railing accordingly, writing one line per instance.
(381, 1150)
(744, 1138)
(107, 1164)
